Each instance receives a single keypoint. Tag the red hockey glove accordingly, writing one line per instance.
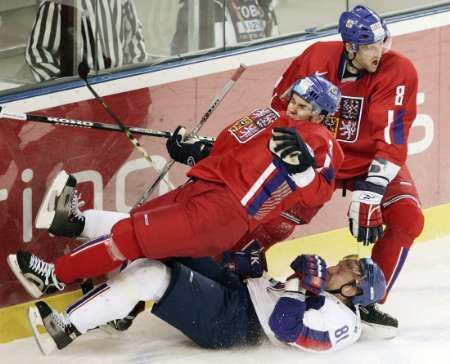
(364, 214)
(311, 270)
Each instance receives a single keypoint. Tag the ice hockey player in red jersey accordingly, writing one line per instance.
(378, 106)
(314, 310)
(259, 166)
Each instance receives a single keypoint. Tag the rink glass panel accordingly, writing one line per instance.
(205, 27)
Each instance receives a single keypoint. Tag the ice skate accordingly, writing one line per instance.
(59, 211)
(36, 275)
(378, 323)
(60, 331)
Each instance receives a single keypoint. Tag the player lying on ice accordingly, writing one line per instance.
(258, 167)
(315, 310)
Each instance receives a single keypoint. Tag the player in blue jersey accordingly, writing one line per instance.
(218, 307)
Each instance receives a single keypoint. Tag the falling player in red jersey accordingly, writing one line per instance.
(378, 107)
(259, 166)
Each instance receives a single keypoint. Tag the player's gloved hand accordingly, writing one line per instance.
(289, 147)
(311, 271)
(187, 150)
(247, 263)
(364, 214)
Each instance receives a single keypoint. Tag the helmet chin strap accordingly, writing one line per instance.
(350, 61)
(339, 290)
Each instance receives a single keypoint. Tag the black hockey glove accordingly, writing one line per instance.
(187, 150)
(289, 147)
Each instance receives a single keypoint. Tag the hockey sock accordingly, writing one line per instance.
(141, 280)
(404, 222)
(100, 222)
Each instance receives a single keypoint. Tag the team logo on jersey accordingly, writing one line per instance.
(345, 123)
(246, 128)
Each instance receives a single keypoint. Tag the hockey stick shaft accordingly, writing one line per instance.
(213, 106)
(87, 124)
(83, 71)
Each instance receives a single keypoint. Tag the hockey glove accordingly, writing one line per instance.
(187, 150)
(289, 147)
(311, 271)
(247, 263)
(364, 214)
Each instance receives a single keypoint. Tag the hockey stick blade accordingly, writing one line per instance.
(43, 339)
(83, 70)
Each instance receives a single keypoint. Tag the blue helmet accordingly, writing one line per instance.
(362, 26)
(319, 92)
(372, 284)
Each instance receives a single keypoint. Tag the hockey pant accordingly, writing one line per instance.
(197, 219)
(214, 312)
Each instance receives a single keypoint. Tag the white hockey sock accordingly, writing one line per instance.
(141, 280)
(100, 222)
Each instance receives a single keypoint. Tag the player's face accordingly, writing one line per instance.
(368, 56)
(299, 109)
(346, 271)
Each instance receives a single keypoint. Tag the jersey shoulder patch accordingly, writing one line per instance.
(247, 127)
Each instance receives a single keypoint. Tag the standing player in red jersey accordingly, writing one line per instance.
(377, 109)
(259, 166)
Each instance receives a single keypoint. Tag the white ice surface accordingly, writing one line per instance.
(420, 300)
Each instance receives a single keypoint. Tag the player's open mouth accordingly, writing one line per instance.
(375, 62)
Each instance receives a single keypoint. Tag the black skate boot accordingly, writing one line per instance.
(58, 326)
(36, 275)
(380, 323)
(125, 323)
(59, 211)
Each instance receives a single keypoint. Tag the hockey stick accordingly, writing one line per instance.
(236, 75)
(86, 124)
(83, 71)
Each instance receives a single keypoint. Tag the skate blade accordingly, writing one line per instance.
(29, 286)
(46, 212)
(43, 339)
(378, 332)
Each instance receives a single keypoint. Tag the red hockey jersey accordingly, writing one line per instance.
(376, 110)
(242, 161)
